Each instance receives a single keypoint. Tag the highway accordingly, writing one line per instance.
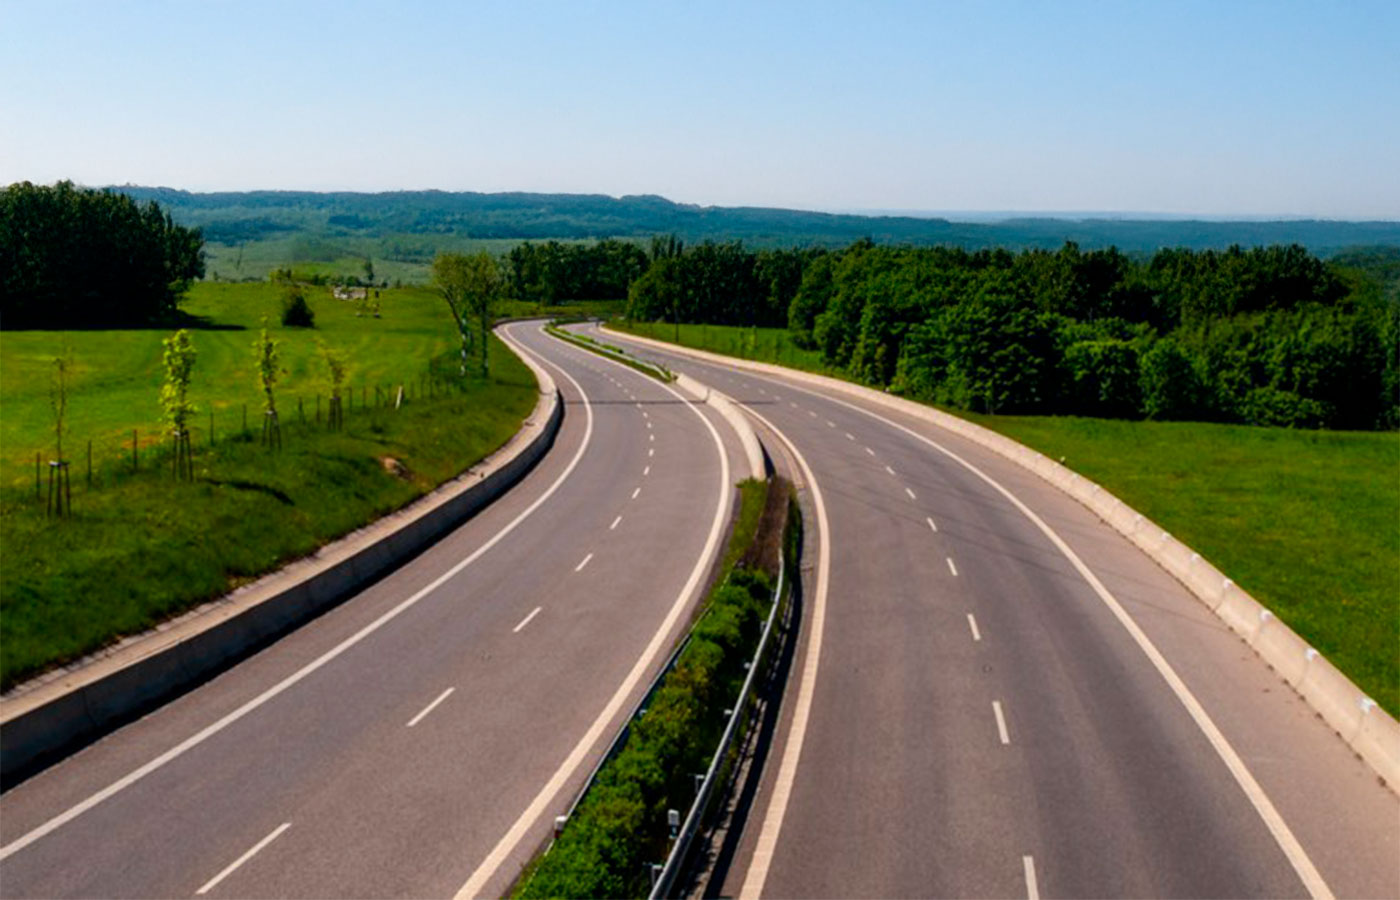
(421, 737)
(995, 694)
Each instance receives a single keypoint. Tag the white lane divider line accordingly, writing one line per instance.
(850, 437)
(651, 437)
(651, 452)
(910, 492)
(636, 491)
(812, 413)
(613, 526)
(646, 471)
(645, 414)
(931, 525)
(1001, 722)
(793, 405)
(579, 567)
(1032, 889)
(648, 426)
(952, 568)
(972, 623)
(890, 470)
(830, 424)
(523, 622)
(447, 693)
(233, 867)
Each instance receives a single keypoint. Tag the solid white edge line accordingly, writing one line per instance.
(526, 621)
(252, 851)
(972, 623)
(448, 693)
(493, 861)
(228, 719)
(614, 524)
(1001, 722)
(579, 567)
(1032, 889)
(952, 568)
(1273, 820)
(772, 827)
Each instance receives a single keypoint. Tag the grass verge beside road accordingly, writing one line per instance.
(1308, 522)
(141, 547)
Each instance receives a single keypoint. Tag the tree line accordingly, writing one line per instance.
(1266, 335)
(76, 258)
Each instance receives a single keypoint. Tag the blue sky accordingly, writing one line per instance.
(1217, 108)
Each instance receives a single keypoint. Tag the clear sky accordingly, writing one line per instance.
(1219, 108)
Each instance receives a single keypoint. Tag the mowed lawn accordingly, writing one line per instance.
(141, 546)
(1306, 521)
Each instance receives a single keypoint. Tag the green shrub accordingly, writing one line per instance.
(296, 312)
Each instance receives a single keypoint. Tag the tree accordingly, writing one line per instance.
(471, 285)
(335, 368)
(174, 397)
(265, 353)
(296, 312)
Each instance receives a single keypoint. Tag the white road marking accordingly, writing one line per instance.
(850, 437)
(812, 413)
(931, 525)
(476, 884)
(646, 471)
(579, 567)
(1032, 889)
(793, 405)
(228, 719)
(645, 414)
(447, 693)
(772, 825)
(635, 492)
(648, 426)
(910, 492)
(972, 623)
(890, 470)
(868, 450)
(1001, 722)
(526, 621)
(651, 451)
(952, 568)
(233, 867)
(1283, 835)
(830, 424)
(651, 437)
(613, 526)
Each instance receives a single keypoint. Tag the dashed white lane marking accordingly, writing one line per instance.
(830, 424)
(850, 437)
(1032, 889)
(648, 426)
(952, 568)
(646, 471)
(579, 567)
(448, 693)
(972, 623)
(614, 524)
(1001, 722)
(651, 437)
(793, 405)
(636, 492)
(812, 413)
(651, 451)
(645, 414)
(523, 622)
(889, 469)
(910, 492)
(233, 867)
(931, 525)
(868, 450)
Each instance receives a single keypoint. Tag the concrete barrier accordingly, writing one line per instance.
(1369, 730)
(42, 720)
(729, 411)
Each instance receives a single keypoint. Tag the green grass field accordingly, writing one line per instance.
(142, 546)
(1306, 521)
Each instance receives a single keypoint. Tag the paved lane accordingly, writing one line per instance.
(396, 766)
(981, 723)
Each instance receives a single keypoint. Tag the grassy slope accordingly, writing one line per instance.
(1308, 522)
(142, 547)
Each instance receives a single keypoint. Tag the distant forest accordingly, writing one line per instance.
(233, 218)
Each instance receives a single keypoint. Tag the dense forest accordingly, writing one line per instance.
(232, 218)
(74, 258)
(1267, 336)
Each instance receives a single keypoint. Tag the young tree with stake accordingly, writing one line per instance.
(470, 285)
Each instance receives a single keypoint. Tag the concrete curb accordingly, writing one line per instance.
(44, 718)
(729, 410)
(1369, 730)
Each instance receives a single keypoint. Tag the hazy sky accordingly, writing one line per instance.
(1203, 107)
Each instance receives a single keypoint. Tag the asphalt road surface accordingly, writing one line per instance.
(427, 731)
(975, 710)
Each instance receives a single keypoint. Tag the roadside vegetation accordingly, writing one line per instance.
(616, 354)
(139, 545)
(619, 828)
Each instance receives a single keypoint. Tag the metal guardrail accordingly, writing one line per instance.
(679, 850)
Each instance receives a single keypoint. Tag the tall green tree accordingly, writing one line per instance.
(471, 285)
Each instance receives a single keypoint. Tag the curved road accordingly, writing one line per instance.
(427, 731)
(974, 709)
